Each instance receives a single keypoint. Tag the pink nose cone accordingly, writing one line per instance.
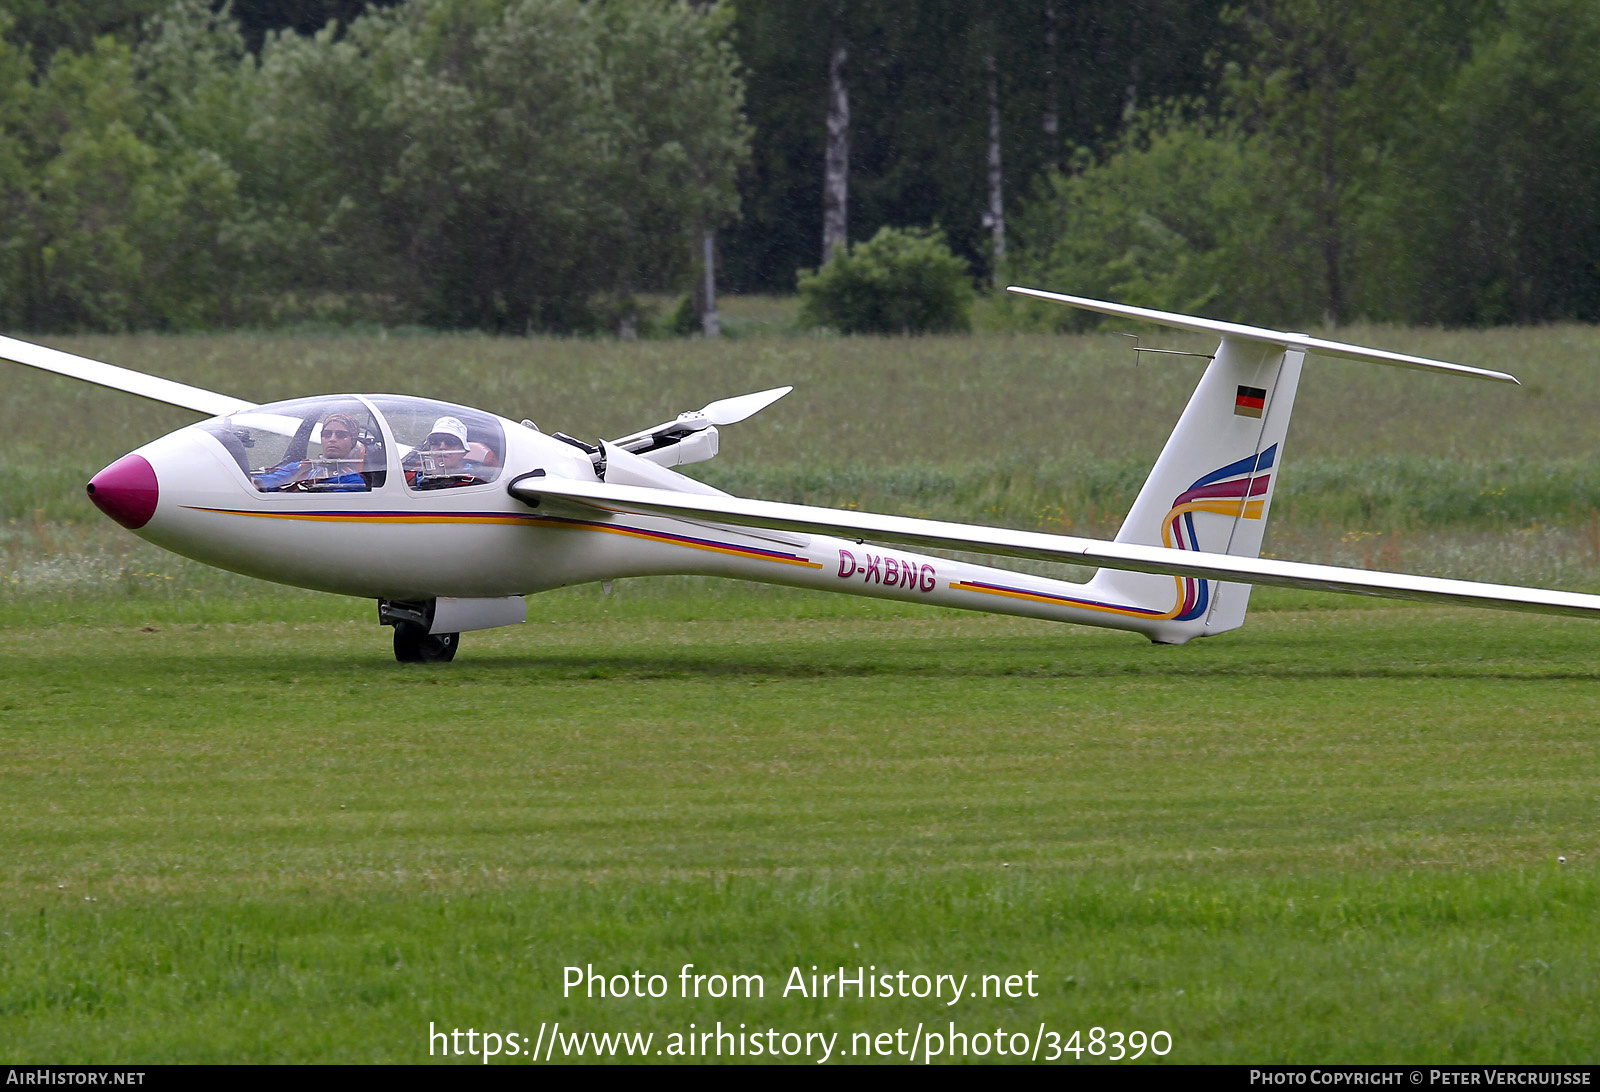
(126, 491)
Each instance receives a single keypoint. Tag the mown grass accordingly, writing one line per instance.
(1332, 836)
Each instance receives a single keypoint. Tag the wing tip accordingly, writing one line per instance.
(1303, 342)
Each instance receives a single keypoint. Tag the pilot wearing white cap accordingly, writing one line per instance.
(445, 461)
(444, 430)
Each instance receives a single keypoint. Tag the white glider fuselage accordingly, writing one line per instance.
(478, 541)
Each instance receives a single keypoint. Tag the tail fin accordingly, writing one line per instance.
(1212, 487)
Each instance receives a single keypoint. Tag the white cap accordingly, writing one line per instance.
(450, 426)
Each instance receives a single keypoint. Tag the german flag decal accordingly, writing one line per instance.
(1250, 402)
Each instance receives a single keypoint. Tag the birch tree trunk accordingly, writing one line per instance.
(1052, 90)
(710, 322)
(836, 162)
(995, 218)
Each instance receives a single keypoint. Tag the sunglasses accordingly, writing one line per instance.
(336, 433)
(449, 443)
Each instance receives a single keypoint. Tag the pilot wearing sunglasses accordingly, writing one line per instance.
(338, 470)
(445, 459)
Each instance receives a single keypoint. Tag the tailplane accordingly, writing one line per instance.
(1212, 486)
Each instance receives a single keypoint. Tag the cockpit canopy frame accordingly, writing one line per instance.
(356, 443)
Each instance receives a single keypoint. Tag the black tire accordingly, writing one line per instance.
(415, 645)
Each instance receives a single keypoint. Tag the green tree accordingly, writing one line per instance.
(312, 163)
(1328, 86)
(1499, 215)
(1169, 218)
(41, 27)
(192, 70)
(1311, 193)
(500, 206)
(16, 189)
(901, 281)
(678, 89)
(918, 109)
(503, 164)
(110, 229)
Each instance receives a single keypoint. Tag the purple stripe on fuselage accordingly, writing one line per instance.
(518, 517)
(1067, 599)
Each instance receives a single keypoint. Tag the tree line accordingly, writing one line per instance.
(518, 165)
(508, 165)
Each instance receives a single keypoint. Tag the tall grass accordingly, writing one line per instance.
(866, 400)
(1039, 432)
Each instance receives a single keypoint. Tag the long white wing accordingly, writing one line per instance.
(207, 402)
(1033, 544)
(1314, 345)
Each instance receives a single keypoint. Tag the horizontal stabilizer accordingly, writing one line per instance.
(1304, 342)
(207, 402)
(1033, 544)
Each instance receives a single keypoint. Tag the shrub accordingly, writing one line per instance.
(901, 281)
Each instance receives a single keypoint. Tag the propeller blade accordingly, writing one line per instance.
(724, 411)
(728, 411)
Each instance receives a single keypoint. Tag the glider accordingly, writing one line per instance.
(448, 516)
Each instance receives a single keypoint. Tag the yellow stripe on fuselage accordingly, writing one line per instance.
(516, 519)
(1058, 601)
(709, 547)
(1222, 506)
(339, 517)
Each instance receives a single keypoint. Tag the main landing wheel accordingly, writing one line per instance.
(413, 644)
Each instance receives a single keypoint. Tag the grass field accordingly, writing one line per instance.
(233, 829)
(1332, 836)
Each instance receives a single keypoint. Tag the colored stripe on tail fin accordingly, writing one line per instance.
(1211, 489)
